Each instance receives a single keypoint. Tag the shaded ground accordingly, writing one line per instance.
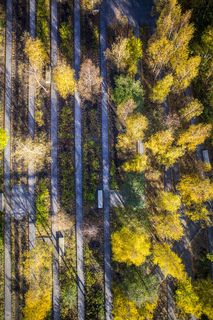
(137, 11)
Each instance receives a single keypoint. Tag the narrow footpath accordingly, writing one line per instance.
(105, 166)
(7, 227)
(31, 126)
(54, 158)
(78, 169)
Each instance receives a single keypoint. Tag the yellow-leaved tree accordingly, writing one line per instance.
(125, 53)
(195, 192)
(168, 226)
(36, 54)
(161, 89)
(124, 308)
(168, 261)
(194, 189)
(138, 164)
(136, 124)
(161, 146)
(38, 275)
(196, 134)
(187, 300)
(168, 201)
(193, 109)
(127, 243)
(63, 77)
(3, 139)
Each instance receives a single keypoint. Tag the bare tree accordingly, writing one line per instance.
(89, 84)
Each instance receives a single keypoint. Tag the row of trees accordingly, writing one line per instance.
(157, 223)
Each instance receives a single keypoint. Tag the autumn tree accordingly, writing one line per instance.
(137, 164)
(196, 134)
(159, 53)
(63, 77)
(168, 261)
(193, 109)
(3, 139)
(32, 151)
(195, 192)
(168, 226)
(168, 201)
(124, 308)
(127, 243)
(124, 109)
(36, 54)
(161, 146)
(90, 4)
(187, 300)
(168, 49)
(161, 89)
(136, 124)
(125, 53)
(38, 59)
(194, 189)
(185, 72)
(38, 274)
(89, 84)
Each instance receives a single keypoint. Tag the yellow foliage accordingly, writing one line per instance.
(160, 145)
(36, 53)
(63, 77)
(162, 88)
(187, 300)
(168, 261)
(168, 201)
(125, 309)
(124, 109)
(191, 110)
(198, 212)
(130, 245)
(168, 226)
(137, 164)
(3, 139)
(196, 134)
(125, 143)
(159, 53)
(136, 124)
(160, 142)
(185, 72)
(38, 274)
(124, 54)
(37, 304)
(90, 4)
(195, 190)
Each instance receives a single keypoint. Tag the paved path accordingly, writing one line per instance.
(7, 230)
(54, 157)
(31, 125)
(78, 168)
(137, 11)
(105, 165)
